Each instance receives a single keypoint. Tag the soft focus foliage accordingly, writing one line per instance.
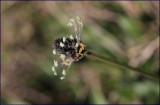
(122, 30)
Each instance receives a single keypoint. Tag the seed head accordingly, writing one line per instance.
(69, 48)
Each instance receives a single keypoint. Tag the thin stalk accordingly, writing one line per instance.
(113, 62)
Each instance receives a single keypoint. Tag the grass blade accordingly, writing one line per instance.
(113, 62)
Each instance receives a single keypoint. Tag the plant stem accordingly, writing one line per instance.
(113, 62)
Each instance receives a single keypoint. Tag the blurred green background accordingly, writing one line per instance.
(122, 30)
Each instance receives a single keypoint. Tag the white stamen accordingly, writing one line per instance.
(55, 63)
(71, 21)
(64, 39)
(62, 78)
(78, 17)
(80, 22)
(64, 72)
(54, 71)
(70, 24)
(71, 37)
(76, 44)
(62, 56)
(54, 52)
(61, 44)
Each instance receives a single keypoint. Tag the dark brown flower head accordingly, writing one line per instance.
(70, 47)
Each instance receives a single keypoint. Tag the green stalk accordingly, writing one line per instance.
(113, 62)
